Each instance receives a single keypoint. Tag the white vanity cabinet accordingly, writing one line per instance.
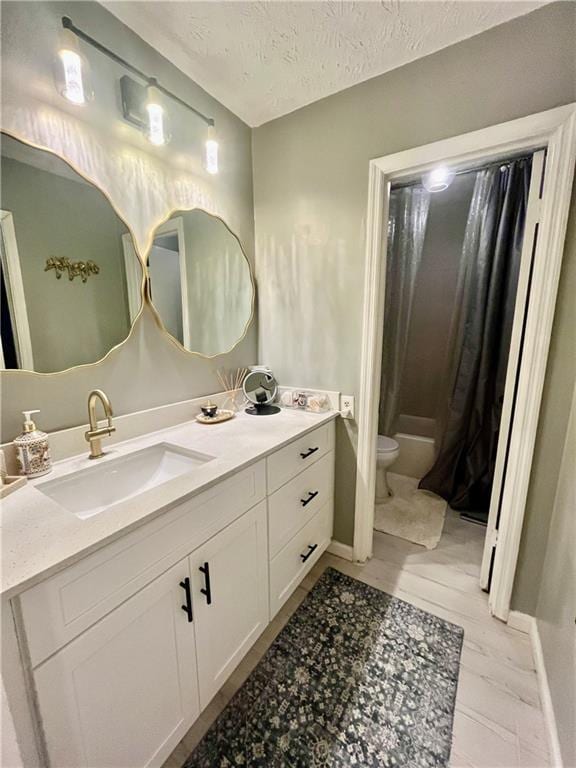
(230, 597)
(126, 646)
(122, 692)
(300, 479)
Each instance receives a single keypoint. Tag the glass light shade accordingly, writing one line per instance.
(72, 73)
(211, 152)
(438, 179)
(157, 121)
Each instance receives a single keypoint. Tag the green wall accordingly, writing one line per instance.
(71, 322)
(311, 183)
(557, 597)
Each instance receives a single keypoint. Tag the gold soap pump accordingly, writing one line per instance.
(32, 449)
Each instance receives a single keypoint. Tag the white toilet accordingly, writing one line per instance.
(387, 452)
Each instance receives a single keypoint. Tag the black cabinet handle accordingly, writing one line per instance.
(311, 495)
(188, 607)
(311, 549)
(205, 569)
(309, 452)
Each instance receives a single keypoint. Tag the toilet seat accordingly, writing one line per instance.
(386, 444)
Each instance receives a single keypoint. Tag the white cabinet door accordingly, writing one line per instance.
(126, 691)
(230, 597)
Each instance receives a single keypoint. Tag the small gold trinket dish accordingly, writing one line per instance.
(221, 415)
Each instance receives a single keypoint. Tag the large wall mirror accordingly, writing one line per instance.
(70, 283)
(200, 282)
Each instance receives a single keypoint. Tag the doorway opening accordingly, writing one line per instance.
(549, 135)
(458, 250)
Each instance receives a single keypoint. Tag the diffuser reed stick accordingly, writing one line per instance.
(231, 382)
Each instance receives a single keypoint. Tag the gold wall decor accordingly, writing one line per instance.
(74, 269)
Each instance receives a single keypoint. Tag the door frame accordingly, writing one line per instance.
(133, 269)
(15, 291)
(554, 130)
(175, 226)
(531, 225)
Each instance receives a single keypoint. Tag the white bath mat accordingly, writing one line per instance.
(411, 514)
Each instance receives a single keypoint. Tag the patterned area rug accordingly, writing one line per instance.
(356, 678)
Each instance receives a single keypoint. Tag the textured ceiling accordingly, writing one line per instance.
(265, 59)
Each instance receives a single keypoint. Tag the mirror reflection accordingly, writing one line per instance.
(200, 282)
(70, 280)
(260, 388)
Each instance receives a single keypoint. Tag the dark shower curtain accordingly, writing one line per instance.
(464, 467)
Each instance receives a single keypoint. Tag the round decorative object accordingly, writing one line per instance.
(260, 388)
(73, 275)
(200, 283)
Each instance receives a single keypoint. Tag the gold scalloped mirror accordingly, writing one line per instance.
(71, 282)
(200, 283)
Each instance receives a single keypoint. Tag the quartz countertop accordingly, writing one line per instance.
(40, 537)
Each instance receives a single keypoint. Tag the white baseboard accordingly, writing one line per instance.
(521, 621)
(525, 623)
(345, 551)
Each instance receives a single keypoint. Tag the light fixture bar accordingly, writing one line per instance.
(67, 24)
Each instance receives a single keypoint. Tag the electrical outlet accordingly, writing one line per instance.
(347, 406)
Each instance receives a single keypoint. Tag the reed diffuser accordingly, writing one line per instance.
(231, 382)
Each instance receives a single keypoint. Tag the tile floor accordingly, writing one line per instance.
(498, 722)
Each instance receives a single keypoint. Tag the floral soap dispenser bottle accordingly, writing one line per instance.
(32, 449)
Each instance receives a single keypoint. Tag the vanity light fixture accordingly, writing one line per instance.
(156, 117)
(211, 148)
(147, 112)
(69, 69)
(438, 179)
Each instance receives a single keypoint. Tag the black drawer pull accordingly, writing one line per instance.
(205, 569)
(311, 495)
(311, 549)
(188, 607)
(309, 452)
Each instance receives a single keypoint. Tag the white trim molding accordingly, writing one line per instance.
(176, 226)
(523, 622)
(531, 224)
(555, 131)
(15, 292)
(133, 269)
(345, 551)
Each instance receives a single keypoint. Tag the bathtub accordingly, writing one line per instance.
(416, 455)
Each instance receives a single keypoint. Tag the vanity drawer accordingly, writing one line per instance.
(296, 456)
(63, 606)
(296, 502)
(289, 567)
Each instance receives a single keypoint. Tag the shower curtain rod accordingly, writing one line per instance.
(418, 180)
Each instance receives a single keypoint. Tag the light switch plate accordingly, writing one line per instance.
(347, 406)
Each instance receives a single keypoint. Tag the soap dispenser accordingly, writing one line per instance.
(32, 449)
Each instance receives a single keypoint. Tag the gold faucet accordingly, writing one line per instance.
(94, 434)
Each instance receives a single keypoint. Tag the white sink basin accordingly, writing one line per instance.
(89, 491)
